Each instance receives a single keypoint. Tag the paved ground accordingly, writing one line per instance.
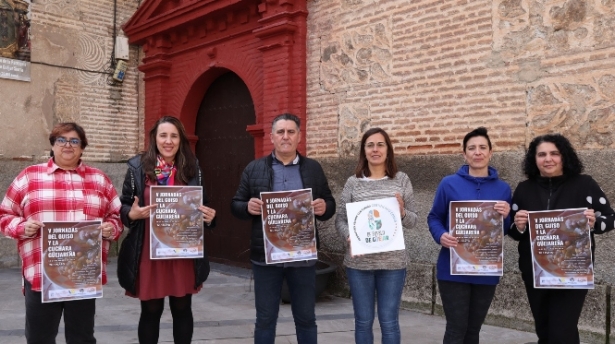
(224, 314)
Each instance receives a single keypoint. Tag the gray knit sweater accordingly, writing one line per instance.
(360, 189)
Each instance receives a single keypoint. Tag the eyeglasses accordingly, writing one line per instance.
(61, 141)
(372, 145)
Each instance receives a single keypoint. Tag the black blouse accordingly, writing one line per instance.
(560, 192)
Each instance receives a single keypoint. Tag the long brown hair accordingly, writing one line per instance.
(185, 160)
(363, 166)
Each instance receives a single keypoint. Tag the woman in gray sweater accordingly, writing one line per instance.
(377, 274)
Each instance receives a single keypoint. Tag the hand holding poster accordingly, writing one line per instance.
(71, 261)
(479, 230)
(289, 233)
(176, 224)
(375, 226)
(561, 249)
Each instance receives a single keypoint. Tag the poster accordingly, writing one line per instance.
(479, 230)
(561, 249)
(375, 226)
(71, 261)
(176, 224)
(15, 39)
(288, 226)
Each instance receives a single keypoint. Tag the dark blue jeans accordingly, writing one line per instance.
(267, 293)
(387, 286)
(465, 307)
(43, 319)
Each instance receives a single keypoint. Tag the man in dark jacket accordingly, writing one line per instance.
(282, 170)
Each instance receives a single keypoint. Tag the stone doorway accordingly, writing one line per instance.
(187, 43)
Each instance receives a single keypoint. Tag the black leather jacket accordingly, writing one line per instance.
(257, 177)
(132, 246)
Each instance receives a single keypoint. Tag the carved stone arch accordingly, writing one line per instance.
(198, 86)
(188, 45)
(264, 42)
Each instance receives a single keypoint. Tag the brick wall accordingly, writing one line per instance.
(428, 71)
(72, 44)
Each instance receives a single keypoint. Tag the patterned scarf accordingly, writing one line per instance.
(165, 174)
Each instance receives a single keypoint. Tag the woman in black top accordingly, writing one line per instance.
(168, 161)
(555, 181)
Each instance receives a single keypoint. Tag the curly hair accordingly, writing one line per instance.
(185, 160)
(571, 163)
(363, 166)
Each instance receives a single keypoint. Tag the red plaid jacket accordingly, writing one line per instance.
(45, 192)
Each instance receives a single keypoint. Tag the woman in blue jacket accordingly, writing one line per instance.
(466, 299)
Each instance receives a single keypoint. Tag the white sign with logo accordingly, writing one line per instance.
(375, 226)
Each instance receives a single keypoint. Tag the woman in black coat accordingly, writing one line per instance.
(555, 181)
(167, 161)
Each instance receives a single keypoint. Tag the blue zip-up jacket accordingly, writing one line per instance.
(461, 186)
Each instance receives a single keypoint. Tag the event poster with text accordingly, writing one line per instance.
(561, 249)
(288, 226)
(71, 261)
(479, 230)
(176, 224)
(375, 226)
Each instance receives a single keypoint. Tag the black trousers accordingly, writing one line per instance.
(556, 313)
(43, 319)
(465, 307)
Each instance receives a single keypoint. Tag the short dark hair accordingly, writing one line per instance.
(480, 131)
(571, 163)
(363, 166)
(286, 117)
(185, 160)
(65, 127)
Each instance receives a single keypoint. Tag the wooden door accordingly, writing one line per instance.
(224, 149)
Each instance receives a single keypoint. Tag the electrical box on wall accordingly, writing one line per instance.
(120, 71)
(121, 48)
